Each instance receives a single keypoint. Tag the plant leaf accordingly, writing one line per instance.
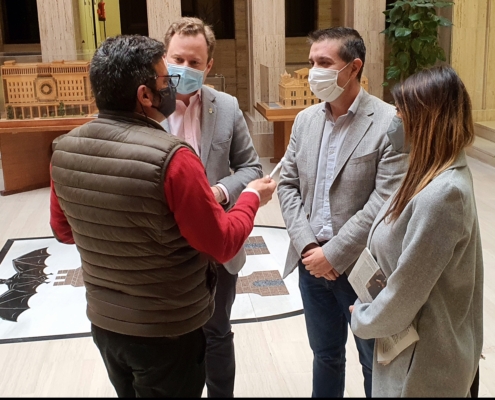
(416, 45)
(401, 32)
(428, 38)
(415, 17)
(395, 14)
(443, 21)
(404, 60)
(393, 73)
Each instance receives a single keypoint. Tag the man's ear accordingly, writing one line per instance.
(144, 96)
(208, 67)
(357, 64)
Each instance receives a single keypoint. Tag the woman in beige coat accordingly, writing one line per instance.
(426, 239)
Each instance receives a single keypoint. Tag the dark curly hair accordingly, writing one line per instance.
(119, 66)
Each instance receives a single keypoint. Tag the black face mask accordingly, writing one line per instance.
(167, 100)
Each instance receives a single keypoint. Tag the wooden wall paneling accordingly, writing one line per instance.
(489, 100)
(469, 46)
(161, 14)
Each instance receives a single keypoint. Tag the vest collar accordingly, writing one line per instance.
(131, 117)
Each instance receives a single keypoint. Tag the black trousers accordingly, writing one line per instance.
(153, 367)
(220, 354)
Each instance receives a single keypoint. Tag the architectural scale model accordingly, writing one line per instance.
(39, 90)
(294, 91)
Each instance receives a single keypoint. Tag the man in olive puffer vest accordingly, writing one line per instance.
(136, 202)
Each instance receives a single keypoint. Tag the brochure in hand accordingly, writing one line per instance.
(368, 280)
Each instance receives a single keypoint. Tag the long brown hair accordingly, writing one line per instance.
(436, 113)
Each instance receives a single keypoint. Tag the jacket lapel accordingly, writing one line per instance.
(317, 125)
(208, 121)
(360, 125)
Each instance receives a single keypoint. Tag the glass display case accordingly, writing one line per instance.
(32, 90)
(39, 101)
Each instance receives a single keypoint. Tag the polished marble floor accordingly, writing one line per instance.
(273, 356)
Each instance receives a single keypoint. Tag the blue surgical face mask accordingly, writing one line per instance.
(191, 79)
(397, 136)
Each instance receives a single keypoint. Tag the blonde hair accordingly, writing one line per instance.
(190, 26)
(436, 113)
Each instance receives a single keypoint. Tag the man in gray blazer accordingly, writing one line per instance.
(213, 124)
(340, 168)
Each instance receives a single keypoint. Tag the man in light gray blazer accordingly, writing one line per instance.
(213, 124)
(340, 168)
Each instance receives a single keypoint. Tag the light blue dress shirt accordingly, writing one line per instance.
(334, 134)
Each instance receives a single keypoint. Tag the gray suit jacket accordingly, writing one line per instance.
(432, 257)
(367, 172)
(227, 151)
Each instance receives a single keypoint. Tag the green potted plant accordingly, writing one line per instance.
(412, 34)
(10, 112)
(61, 109)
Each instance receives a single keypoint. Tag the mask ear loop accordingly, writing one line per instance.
(342, 70)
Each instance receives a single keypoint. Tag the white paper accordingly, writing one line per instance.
(367, 280)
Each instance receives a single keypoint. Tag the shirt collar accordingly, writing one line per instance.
(352, 109)
(193, 98)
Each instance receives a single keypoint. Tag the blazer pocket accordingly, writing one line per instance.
(221, 145)
(362, 159)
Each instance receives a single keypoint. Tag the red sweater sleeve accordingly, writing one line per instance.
(58, 222)
(201, 220)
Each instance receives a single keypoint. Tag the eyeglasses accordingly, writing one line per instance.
(173, 80)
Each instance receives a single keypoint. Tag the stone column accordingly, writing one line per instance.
(161, 13)
(368, 19)
(58, 22)
(266, 49)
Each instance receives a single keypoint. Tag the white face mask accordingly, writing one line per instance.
(323, 83)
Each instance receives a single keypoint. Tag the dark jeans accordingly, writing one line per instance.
(220, 354)
(153, 367)
(326, 310)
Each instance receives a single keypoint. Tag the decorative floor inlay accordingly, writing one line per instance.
(255, 245)
(42, 295)
(265, 283)
(71, 277)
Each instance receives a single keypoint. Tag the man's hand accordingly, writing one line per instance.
(265, 187)
(218, 193)
(317, 264)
